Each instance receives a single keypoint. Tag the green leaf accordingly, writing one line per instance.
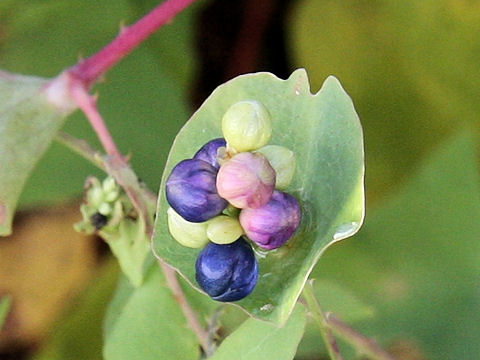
(143, 99)
(28, 124)
(324, 132)
(258, 340)
(333, 297)
(416, 258)
(147, 323)
(5, 304)
(404, 63)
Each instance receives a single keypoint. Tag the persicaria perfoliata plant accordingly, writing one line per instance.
(229, 199)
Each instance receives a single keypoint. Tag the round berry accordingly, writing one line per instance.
(227, 272)
(246, 125)
(209, 152)
(273, 224)
(98, 220)
(283, 162)
(224, 229)
(246, 180)
(191, 191)
(189, 234)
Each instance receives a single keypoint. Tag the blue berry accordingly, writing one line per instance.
(209, 152)
(273, 224)
(227, 272)
(191, 191)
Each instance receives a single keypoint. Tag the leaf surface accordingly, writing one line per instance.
(258, 340)
(147, 323)
(28, 124)
(325, 134)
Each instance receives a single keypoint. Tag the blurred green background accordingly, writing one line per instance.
(412, 69)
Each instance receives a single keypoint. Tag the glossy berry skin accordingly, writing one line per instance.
(209, 152)
(191, 191)
(227, 272)
(273, 224)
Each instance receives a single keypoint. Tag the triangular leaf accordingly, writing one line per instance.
(28, 124)
(256, 339)
(147, 323)
(324, 132)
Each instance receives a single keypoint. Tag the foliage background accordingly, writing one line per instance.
(409, 278)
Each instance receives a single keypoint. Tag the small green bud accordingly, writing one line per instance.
(224, 229)
(109, 184)
(282, 161)
(193, 235)
(105, 208)
(246, 126)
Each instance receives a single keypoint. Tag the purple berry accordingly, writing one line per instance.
(192, 193)
(227, 272)
(271, 225)
(209, 152)
(246, 180)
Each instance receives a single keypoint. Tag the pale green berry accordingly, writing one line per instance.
(109, 184)
(224, 229)
(105, 208)
(193, 235)
(246, 126)
(282, 161)
(95, 196)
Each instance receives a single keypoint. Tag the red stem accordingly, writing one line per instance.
(91, 69)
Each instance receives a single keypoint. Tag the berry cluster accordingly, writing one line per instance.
(229, 190)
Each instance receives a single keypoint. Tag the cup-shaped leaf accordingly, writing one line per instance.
(324, 132)
(28, 124)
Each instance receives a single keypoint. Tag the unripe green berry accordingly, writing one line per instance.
(282, 161)
(246, 126)
(193, 235)
(224, 229)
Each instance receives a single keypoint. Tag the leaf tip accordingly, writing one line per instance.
(300, 80)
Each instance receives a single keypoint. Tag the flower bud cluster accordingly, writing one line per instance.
(241, 172)
(105, 205)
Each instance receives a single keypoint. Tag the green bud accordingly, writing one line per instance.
(105, 208)
(189, 234)
(224, 229)
(282, 161)
(246, 126)
(109, 184)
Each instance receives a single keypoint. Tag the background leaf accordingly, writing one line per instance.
(5, 303)
(258, 340)
(415, 260)
(324, 132)
(148, 324)
(28, 124)
(405, 64)
(142, 99)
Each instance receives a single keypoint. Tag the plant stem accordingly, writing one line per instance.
(91, 69)
(143, 200)
(88, 104)
(82, 148)
(328, 339)
(190, 314)
(363, 344)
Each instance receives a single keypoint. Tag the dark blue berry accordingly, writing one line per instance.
(209, 152)
(191, 191)
(98, 220)
(227, 272)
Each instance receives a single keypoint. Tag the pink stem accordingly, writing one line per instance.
(88, 104)
(91, 69)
